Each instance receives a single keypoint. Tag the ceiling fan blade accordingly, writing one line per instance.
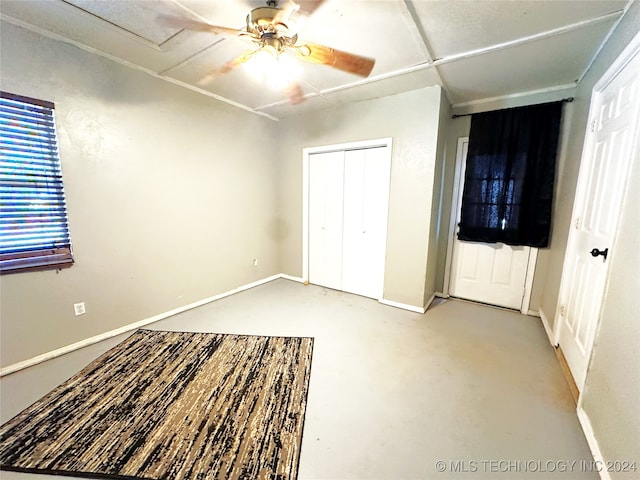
(291, 7)
(282, 17)
(197, 26)
(227, 67)
(294, 93)
(347, 62)
(309, 6)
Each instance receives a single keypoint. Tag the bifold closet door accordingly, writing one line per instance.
(326, 186)
(364, 231)
(348, 209)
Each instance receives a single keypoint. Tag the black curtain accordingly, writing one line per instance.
(509, 178)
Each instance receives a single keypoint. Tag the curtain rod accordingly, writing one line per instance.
(567, 100)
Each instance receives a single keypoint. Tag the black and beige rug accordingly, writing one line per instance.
(171, 405)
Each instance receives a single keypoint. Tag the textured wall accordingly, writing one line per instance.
(163, 209)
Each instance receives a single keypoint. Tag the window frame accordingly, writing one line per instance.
(41, 258)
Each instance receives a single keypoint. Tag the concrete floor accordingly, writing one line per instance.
(463, 391)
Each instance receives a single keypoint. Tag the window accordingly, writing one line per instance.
(34, 233)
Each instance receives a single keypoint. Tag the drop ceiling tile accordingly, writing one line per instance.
(133, 16)
(285, 109)
(203, 62)
(246, 92)
(323, 77)
(558, 60)
(239, 87)
(88, 28)
(82, 28)
(386, 86)
(382, 30)
(227, 13)
(128, 31)
(236, 85)
(458, 26)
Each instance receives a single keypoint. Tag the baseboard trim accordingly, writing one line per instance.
(429, 302)
(566, 371)
(133, 326)
(547, 327)
(403, 306)
(594, 446)
(292, 278)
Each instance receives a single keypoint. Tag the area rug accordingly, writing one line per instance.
(171, 405)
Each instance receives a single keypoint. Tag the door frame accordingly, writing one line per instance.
(624, 58)
(456, 196)
(306, 153)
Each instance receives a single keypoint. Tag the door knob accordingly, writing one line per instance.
(595, 252)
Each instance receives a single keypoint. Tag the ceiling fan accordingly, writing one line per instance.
(271, 28)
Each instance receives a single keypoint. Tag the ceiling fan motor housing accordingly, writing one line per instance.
(260, 24)
(261, 18)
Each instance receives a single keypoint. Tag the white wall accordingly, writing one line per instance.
(164, 209)
(440, 207)
(411, 119)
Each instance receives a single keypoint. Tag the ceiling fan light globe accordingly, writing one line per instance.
(275, 69)
(261, 63)
(289, 66)
(285, 73)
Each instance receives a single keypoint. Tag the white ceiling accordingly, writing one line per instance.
(476, 50)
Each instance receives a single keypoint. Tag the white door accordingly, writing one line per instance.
(484, 272)
(348, 195)
(366, 198)
(610, 143)
(326, 182)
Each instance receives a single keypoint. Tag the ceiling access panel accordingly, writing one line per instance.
(128, 44)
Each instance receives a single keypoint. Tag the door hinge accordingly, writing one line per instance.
(593, 125)
(577, 223)
(563, 310)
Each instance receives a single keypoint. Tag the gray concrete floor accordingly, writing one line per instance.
(463, 391)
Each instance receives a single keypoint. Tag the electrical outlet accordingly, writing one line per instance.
(79, 308)
(255, 262)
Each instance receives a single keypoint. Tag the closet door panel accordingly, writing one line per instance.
(366, 200)
(376, 200)
(326, 186)
(353, 232)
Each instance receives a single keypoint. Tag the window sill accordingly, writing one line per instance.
(55, 260)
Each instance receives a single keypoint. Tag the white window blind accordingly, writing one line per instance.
(34, 232)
